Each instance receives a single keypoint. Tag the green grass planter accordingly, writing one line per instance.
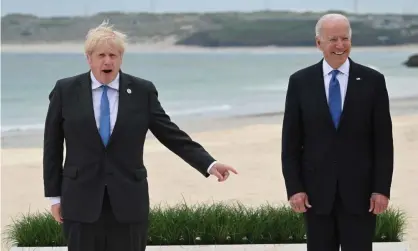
(205, 225)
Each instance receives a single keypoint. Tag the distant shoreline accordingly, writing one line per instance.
(68, 47)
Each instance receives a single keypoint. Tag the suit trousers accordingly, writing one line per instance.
(106, 234)
(340, 229)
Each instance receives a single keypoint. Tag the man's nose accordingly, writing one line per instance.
(107, 60)
(340, 43)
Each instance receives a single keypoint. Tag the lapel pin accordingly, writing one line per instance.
(129, 91)
(358, 78)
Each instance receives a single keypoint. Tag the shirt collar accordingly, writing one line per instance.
(96, 84)
(344, 68)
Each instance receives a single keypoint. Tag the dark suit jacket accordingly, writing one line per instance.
(89, 165)
(358, 156)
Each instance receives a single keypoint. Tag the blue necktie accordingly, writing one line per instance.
(335, 98)
(104, 127)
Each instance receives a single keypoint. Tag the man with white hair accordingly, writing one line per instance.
(100, 194)
(337, 145)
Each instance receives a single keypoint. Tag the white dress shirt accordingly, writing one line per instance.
(342, 78)
(113, 96)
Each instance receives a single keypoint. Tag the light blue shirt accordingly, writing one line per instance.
(112, 95)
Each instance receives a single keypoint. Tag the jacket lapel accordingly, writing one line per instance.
(320, 94)
(353, 86)
(124, 102)
(85, 101)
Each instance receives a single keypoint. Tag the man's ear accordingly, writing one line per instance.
(318, 42)
(88, 59)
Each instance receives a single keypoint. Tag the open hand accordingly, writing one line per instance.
(299, 202)
(221, 171)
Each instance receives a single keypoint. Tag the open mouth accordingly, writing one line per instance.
(107, 71)
(339, 53)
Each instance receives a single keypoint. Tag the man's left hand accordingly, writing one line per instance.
(221, 171)
(378, 203)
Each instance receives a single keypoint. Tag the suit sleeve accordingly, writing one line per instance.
(292, 141)
(383, 140)
(176, 140)
(53, 145)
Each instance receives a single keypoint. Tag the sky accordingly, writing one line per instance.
(90, 7)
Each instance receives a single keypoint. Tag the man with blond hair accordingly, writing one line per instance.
(100, 193)
(337, 146)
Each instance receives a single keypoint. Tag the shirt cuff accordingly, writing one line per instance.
(55, 200)
(211, 165)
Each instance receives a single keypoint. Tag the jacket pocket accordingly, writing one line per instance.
(70, 172)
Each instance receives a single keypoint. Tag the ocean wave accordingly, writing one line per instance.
(201, 110)
(21, 128)
(267, 88)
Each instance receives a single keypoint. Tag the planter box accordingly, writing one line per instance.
(386, 246)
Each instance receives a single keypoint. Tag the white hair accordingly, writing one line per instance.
(104, 33)
(331, 17)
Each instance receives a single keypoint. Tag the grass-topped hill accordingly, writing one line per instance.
(264, 28)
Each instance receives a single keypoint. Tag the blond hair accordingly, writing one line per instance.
(104, 33)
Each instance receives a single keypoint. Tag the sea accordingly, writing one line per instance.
(191, 86)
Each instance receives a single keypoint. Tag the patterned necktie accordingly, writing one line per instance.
(104, 127)
(335, 98)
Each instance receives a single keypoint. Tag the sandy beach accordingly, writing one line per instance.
(252, 148)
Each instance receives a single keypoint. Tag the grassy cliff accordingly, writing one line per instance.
(210, 29)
